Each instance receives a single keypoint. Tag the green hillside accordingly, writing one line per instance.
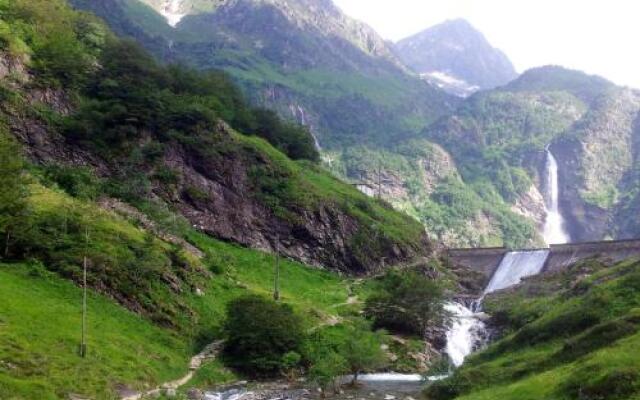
(572, 335)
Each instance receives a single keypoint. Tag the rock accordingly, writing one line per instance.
(171, 392)
(195, 394)
(389, 397)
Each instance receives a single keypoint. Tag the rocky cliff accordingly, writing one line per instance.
(596, 156)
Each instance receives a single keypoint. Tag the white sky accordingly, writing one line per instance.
(597, 36)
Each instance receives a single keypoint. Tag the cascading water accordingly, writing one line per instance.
(515, 266)
(464, 333)
(554, 232)
(171, 12)
(466, 330)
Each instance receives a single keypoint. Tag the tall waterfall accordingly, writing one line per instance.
(466, 329)
(171, 12)
(554, 232)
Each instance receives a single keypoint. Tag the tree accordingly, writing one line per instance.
(326, 366)
(13, 191)
(406, 302)
(363, 351)
(260, 333)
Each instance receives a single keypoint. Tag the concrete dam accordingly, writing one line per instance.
(487, 260)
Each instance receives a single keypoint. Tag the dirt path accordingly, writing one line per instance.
(209, 352)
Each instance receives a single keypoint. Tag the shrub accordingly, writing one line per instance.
(260, 333)
(78, 182)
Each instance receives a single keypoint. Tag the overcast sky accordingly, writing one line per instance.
(597, 36)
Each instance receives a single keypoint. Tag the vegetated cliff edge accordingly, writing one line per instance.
(148, 135)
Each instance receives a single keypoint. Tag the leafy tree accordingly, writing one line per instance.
(406, 301)
(13, 191)
(260, 333)
(363, 351)
(326, 366)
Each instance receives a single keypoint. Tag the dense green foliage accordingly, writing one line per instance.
(572, 335)
(261, 334)
(132, 94)
(13, 192)
(406, 302)
(495, 136)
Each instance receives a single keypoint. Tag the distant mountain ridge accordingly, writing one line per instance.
(303, 58)
(456, 57)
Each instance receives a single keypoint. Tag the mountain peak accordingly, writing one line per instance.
(460, 52)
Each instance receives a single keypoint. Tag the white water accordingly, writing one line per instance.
(554, 231)
(390, 377)
(515, 266)
(465, 334)
(396, 377)
(171, 12)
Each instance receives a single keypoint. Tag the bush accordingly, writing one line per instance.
(406, 302)
(260, 333)
(78, 182)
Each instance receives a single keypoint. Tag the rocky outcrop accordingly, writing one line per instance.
(215, 196)
(531, 206)
(594, 158)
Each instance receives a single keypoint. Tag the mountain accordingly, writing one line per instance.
(456, 57)
(187, 141)
(365, 111)
(497, 139)
(304, 59)
(471, 170)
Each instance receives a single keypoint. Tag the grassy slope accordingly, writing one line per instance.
(40, 315)
(40, 319)
(573, 336)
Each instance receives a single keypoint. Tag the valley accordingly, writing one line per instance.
(267, 200)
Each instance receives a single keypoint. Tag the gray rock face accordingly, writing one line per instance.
(457, 57)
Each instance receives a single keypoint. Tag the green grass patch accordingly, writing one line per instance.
(40, 327)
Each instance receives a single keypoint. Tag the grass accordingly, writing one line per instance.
(40, 307)
(40, 325)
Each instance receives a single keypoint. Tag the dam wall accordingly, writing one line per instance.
(487, 260)
(563, 256)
